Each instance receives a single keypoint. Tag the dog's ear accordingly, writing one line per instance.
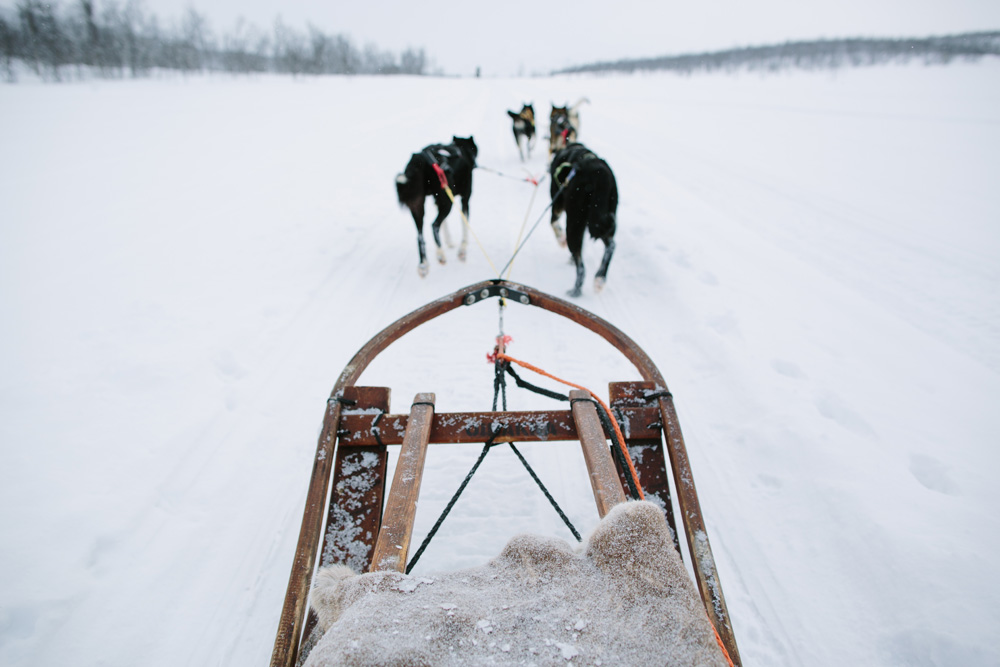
(467, 144)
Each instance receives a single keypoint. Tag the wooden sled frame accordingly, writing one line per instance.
(355, 428)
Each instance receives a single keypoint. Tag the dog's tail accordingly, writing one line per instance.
(582, 100)
(408, 183)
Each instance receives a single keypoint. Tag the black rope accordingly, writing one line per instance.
(499, 386)
(523, 384)
(348, 402)
(376, 431)
(499, 391)
(501, 367)
(616, 452)
(454, 499)
(650, 395)
(548, 495)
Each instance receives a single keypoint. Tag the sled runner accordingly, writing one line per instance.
(350, 463)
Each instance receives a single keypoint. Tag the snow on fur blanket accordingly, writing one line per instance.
(623, 599)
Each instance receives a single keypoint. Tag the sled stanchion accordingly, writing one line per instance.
(644, 441)
(706, 574)
(394, 537)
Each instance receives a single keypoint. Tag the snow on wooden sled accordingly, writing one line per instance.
(350, 466)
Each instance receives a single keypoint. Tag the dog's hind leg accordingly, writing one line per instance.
(444, 208)
(602, 272)
(557, 229)
(463, 247)
(575, 241)
(447, 234)
(417, 209)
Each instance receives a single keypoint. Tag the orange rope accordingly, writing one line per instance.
(621, 446)
(614, 422)
(725, 653)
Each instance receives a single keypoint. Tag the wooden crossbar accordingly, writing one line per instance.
(359, 430)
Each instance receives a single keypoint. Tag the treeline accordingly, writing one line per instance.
(116, 40)
(820, 54)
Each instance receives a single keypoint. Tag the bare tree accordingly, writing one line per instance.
(290, 49)
(195, 42)
(8, 49)
(244, 50)
(413, 61)
(109, 38)
(46, 45)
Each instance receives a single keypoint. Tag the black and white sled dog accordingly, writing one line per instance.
(420, 180)
(584, 186)
(564, 125)
(524, 129)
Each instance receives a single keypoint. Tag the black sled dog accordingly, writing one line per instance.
(524, 129)
(584, 186)
(422, 179)
(564, 125)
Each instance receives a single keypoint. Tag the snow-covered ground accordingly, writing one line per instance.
(810, 258)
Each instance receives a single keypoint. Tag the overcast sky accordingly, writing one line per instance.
(515, 36)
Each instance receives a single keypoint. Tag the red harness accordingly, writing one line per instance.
(441, 177)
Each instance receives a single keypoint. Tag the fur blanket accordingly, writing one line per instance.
(623, 598)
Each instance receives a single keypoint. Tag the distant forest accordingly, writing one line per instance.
(819, 54)
(118, 40)
(115, 40)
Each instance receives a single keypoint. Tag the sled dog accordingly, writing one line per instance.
(524, 129)
(564, 125)
(584, 186)
(420, 180)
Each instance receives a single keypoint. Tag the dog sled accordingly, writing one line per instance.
(350, 519)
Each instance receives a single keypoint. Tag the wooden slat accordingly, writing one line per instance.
(355, 510)
(644, 444)
(393, 543)
(474, 427)
(603, 477)
(286, 644)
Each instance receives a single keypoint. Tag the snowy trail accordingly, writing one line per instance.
(187, 266)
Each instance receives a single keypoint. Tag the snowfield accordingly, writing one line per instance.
(811, 259)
